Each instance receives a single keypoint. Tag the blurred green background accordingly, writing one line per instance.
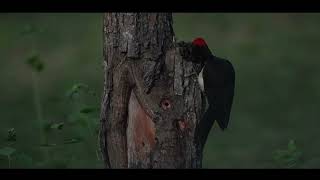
(274, 122)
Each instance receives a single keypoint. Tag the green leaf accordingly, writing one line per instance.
(88, 109)
(7, 151)
(57, 125)
(73, 140)
(35, 63)
(288, 158)
(75, 89)
(72, 91)
(48, 145)
(12, 136)
(292, 146)
(48, 126)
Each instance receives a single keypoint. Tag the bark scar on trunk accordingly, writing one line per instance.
(140, 132)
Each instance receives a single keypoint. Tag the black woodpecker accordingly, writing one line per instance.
(217, 81)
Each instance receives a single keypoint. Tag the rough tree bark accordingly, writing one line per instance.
(152, 102)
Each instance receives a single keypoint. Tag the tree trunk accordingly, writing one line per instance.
(152, 103)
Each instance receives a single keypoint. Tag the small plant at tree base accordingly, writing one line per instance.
(288, 158)
(37, 66)
(84, 115)
(53, 126)
(77, 88)
(12, 136)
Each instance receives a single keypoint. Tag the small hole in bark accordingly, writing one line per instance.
(143, 144)
(181, 124)
(165, 104)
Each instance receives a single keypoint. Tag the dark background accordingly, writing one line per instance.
(274, 121)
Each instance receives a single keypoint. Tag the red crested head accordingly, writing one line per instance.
(199, 42)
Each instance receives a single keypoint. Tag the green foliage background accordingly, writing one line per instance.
(275, 117)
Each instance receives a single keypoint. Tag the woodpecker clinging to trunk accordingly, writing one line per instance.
(217, 81)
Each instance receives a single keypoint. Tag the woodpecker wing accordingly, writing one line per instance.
(230, 89)
(219, 82)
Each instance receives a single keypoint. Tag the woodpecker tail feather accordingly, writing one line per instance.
(221, 116)
(206, 124)
(214, 113)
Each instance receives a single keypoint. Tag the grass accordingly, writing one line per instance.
(276, 101)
